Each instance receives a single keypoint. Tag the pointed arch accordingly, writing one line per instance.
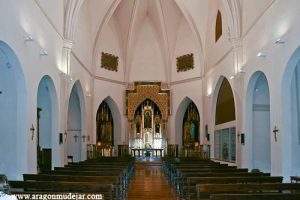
(291, 116)
(13, 120)
(180, 118)
(76, 123)
(109, 106)
(47, 125)
(225, 136)
(258, 122)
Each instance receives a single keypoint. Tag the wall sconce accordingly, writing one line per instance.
(261, 55)
(66, 134)
(32, 130)
(275, 131)
(243, 138)
(43, 52)
(279, 41)
(28, 38)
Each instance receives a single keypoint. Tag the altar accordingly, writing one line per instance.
(147, 134)
(147, 152)
(147, 108)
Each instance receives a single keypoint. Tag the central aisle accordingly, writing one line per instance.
(149, 183)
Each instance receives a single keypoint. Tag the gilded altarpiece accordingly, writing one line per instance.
(105, 128)
(190, 126)
(148, 110)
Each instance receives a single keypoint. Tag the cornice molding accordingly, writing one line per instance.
(109, 80)
(188, 80)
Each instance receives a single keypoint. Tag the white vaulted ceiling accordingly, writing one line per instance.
(148, 35)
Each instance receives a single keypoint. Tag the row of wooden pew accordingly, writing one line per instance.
(205, 179)
(107, 176)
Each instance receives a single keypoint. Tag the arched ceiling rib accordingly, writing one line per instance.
(165, 15)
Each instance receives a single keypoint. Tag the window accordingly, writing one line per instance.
(219, 28)
(225, 145)
(225, 108)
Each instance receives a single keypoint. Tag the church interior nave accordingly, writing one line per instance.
(150, 99)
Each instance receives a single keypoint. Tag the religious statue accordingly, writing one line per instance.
(147, 119)
(193, 131)
(109, 133)
(104, 125)
(157, 128)
(186, 134)
(138, 127)
(191, 125)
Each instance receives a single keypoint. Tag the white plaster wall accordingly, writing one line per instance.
(192, 90)
(109, 43)
(83, 41)
(252, 10)
(278, 21)
(54, 10)
(186, 43)
(215, 51)
(25, 17)
(147, 62)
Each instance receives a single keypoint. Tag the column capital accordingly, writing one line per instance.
(68, 44)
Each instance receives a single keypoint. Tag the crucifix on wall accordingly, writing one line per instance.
(32, 129)
(275, 131)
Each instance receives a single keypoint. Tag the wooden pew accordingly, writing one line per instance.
(67, 178)
(205, 190)
(281, 196)
(190, 186)
(106, 176)
(35, 186)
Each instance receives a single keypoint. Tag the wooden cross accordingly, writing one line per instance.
(32, 129)
(275, 131)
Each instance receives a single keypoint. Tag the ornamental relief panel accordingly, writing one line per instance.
(147, 90)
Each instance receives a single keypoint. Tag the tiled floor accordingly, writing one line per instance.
(149, 183)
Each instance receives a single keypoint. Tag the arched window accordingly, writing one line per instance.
(219, 28)
(225, 108)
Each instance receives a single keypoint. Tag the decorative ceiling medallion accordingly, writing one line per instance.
(185, 62)
(109, 62)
